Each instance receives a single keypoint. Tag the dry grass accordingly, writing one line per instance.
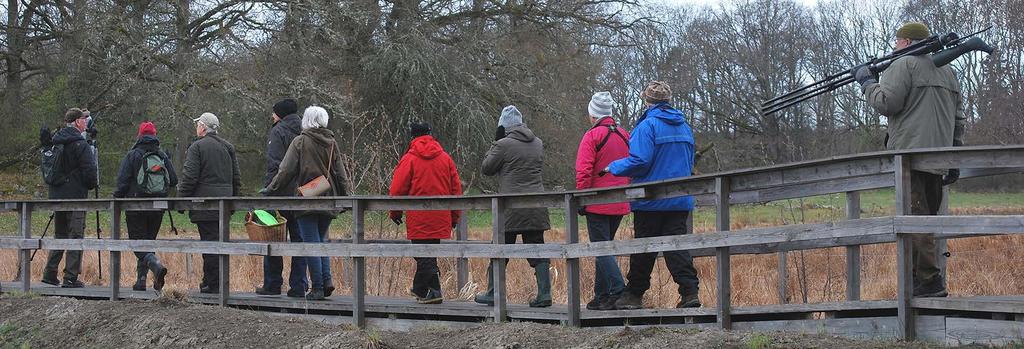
(983, 265)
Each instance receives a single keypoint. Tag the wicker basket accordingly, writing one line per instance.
(270, 233)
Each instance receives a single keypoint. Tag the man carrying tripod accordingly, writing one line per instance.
(70, 171)
(925, 110)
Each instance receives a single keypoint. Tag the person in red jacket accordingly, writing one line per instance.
(603, 143)
(426, 170)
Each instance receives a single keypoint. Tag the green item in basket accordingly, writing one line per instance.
(264, 217)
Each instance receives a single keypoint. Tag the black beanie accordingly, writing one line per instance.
(420, 128)
(286, 107)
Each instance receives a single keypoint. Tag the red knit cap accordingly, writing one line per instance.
(147, 128)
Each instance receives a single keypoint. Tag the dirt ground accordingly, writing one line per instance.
(52, 322)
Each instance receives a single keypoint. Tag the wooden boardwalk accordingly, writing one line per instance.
(983, 319)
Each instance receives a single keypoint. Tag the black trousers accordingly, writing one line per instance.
(210, 231)
(143, 225)
(529, 237)
(680, 263)
(66, 225)
(925, 199)
(426, 276)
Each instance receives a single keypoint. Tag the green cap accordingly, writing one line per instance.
(913, 31)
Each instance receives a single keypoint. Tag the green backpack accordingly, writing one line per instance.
(152, 177)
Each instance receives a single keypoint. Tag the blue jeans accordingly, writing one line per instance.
(607, 276)
(313, 229)
(274, 265)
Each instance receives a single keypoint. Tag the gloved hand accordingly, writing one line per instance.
(92, 132)
(582, 210)
(499, 133)
(864, 76)
(951, 177)
(397, 220)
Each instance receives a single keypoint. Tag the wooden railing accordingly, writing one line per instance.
(846, 174)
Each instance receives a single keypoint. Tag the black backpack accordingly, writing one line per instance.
(51, 164)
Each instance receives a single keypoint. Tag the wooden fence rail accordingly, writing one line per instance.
(846, 175)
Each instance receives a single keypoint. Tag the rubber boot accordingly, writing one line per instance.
(159, 271)
(543, 273)
(488, 296)
(141, 271)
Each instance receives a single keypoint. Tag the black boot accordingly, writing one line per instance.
(141, 271)
(488, 296)
(543, 275)
(159, 271)
(316, 294)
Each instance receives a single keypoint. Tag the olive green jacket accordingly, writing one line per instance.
(922, 103)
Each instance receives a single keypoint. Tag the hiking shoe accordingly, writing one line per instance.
(932, 288)
(609, 303)
(296, 293)
(689, 300)
(209, 289)
(433, 297)
(51, 280)
(328, 290)
(72, 284)
(316, 294)
(159, 276)
(485, 298)
(629, 301)
(268, 291)
(139, 285)
(596, 303)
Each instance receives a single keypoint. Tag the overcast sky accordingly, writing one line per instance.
(716, 2)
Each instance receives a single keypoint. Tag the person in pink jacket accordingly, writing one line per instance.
(603, 143)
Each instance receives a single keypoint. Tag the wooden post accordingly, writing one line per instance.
(115, 256)
(462, 264)
(572, 236)
(853, 252)
(498, 264)
(904, 252)
(722, 254)
(224, 211)
(359, 265)
(783, 277)
(25, 223)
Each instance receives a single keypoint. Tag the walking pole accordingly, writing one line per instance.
(171, 217)
(33, 256)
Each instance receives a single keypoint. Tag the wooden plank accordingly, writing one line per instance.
(942, 245)
(498, 264)
(813, 173)
(799, 190)
(25, 225)
(359, 263)
(931, 327)
(967, 159)
(1013, 305)
(416, 250)
(857, 306)
(462, 264)
(649, 313)
(572, 236)
(966, 331)
(853, 252)
(115, 256)
(783, 277)
(855, 229)
(19, 243)
(674, 188)
(723, 269)
(960, 225)
(224, 223)
(171, 246)
(904, 251)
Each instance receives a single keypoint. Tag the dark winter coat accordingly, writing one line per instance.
(518, 160)
(426, 170)
(278, 140)
(127, 176)
(77, 165)
(306, 159)
(211, 170)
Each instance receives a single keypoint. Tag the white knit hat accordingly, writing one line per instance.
(600, 104)
(510, 116)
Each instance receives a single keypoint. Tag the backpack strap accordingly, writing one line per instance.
(611, 129)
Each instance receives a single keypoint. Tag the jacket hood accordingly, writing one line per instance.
(604, 121)
(520, 133)
(147, 141)
(425, 147)
(292, 122)
(321, 135)
(665, 113)
(67, 135)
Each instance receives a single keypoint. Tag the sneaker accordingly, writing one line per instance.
(433, 297)
(68, 283)
(629, 301)
(268, 291)
(316, 294)
(932, 288)
(609, 303)
(51, 280)
(689, 300)
(595, 304)
(159, 277)
(296, 293)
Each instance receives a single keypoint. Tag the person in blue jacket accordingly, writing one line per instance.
(660, 147)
